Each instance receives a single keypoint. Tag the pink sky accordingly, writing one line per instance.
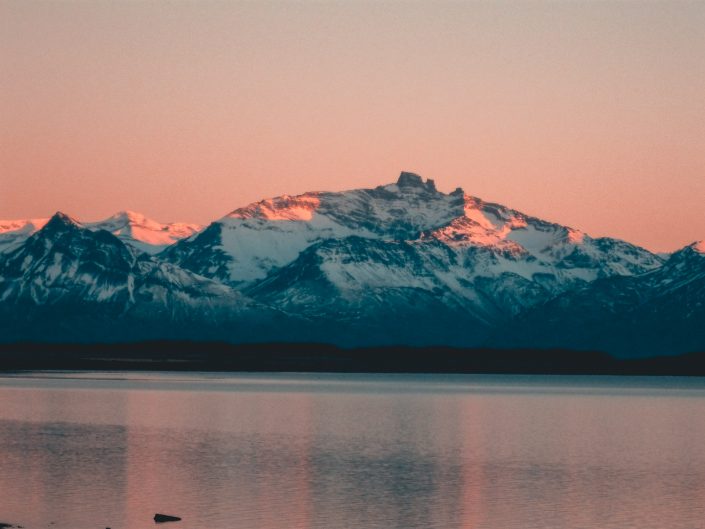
(587, 114)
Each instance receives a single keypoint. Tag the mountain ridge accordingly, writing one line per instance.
(134, 228)
(398, 264)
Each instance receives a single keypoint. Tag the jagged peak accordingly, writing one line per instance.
(698, 246)
(60, 219)
(407, 179)
(412, 180)
(59, 223)
(691, 253)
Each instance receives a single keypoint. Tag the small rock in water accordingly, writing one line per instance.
(159, 518)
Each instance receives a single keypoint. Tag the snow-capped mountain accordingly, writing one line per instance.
(144, 233)
(66, 259)
(66, 275)
(659, 312)
(133, 228)
(246, 245)
(401, 263)
(15, 232)
(350, 253)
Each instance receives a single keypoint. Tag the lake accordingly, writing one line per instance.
(236, 451)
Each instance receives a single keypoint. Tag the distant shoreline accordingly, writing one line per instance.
(322, 358)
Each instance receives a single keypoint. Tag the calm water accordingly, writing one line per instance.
(99, 450)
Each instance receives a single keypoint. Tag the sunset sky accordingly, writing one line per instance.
(589, 114)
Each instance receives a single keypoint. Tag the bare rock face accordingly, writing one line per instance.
(407, 179)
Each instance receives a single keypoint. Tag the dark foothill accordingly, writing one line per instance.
(159, 518)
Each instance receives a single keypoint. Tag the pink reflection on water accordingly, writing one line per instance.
(400, 453)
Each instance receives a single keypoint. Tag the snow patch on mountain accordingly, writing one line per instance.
(285, 207)
(143, 233)
(15, 232)
(259, 238)
(257, 245)
(488, 224)
(65, 260)
(657, 312)
(271, 233)
(135, 229)
(398, 263)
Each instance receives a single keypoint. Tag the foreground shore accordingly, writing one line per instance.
(305, 357)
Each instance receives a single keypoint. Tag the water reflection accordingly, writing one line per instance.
(52, 469)
(87, 454)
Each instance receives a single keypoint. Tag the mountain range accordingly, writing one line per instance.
(401, 264)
